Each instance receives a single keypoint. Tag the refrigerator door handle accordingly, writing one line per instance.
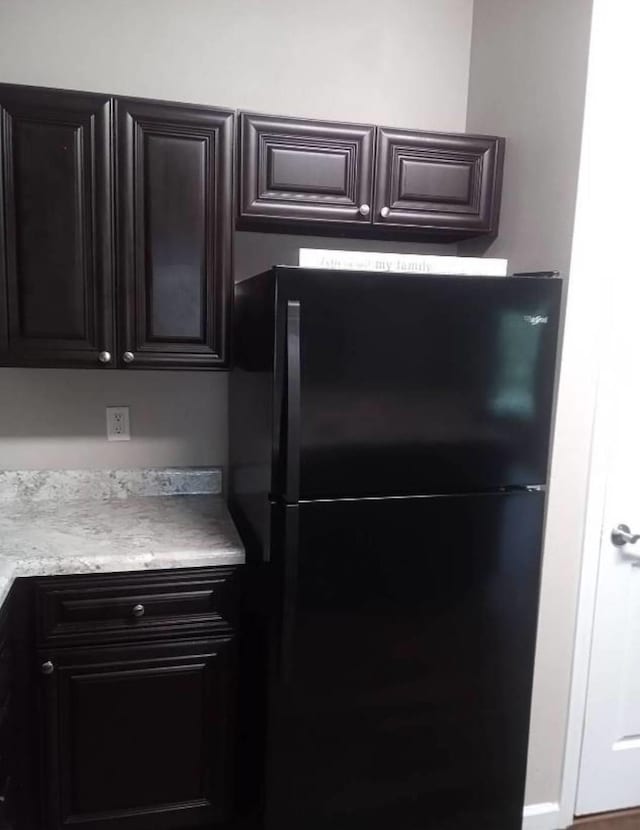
(289, 595)
(292, 403)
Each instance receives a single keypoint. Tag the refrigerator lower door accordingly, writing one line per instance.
(402, 662)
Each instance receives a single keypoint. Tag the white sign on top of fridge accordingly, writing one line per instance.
(401, 263)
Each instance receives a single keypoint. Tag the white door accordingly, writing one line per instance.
(609, 776)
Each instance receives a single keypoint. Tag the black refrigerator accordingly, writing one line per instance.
(389, 441)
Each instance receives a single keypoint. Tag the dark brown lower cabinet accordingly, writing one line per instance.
(139, 736)
(7, 725)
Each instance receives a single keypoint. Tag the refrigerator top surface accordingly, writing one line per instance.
(297, 271)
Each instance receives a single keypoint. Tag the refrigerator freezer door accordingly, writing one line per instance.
(402, 663)
(414, 384)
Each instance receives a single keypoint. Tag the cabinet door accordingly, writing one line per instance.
(175, 167)
(139, 737)
(8, 776)
(448, 185)
(56, 268)
(296, 172)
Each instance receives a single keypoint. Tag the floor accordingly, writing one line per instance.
(624, 820)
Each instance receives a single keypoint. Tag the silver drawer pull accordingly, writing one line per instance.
(47, 668)
(138, 610)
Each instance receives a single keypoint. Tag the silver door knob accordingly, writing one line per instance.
(104, 357)
(128, 357)
(622, 535)
(137, 611)
(365, 210)
(384, 212)
(47, 668)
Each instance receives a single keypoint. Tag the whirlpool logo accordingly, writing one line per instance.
(535, 319)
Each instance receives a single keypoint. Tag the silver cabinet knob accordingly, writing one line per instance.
(365, 210)
(384, 212)
(47, 668)
(104, 357)
(128, 357)
(137, 610)
(622, 535)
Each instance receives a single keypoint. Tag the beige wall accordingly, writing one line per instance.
(527, 82)
(365, 60)
(404, 63)
(55, 418)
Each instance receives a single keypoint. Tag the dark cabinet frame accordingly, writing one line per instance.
(4, 298)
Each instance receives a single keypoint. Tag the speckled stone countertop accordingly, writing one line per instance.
(73, 522)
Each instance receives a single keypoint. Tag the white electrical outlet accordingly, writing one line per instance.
(118, 423)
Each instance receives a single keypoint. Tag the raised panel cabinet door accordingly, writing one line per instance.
(301, 172)
(139, 737)
(444, 184)
(56, 263)
(175, 169)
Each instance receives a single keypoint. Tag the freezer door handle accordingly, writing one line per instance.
(292, 403)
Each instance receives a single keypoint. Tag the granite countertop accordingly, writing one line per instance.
(78, 522)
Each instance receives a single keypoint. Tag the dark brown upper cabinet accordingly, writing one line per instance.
(175, 168)
(295, 171)
(314, 176)
(56, 262)
(438, 182)
(116, 215)
(73, 167)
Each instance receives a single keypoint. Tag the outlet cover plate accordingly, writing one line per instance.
(118, 423)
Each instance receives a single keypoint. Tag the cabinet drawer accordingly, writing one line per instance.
(129, 606)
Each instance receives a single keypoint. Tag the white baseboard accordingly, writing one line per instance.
(544, 816)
